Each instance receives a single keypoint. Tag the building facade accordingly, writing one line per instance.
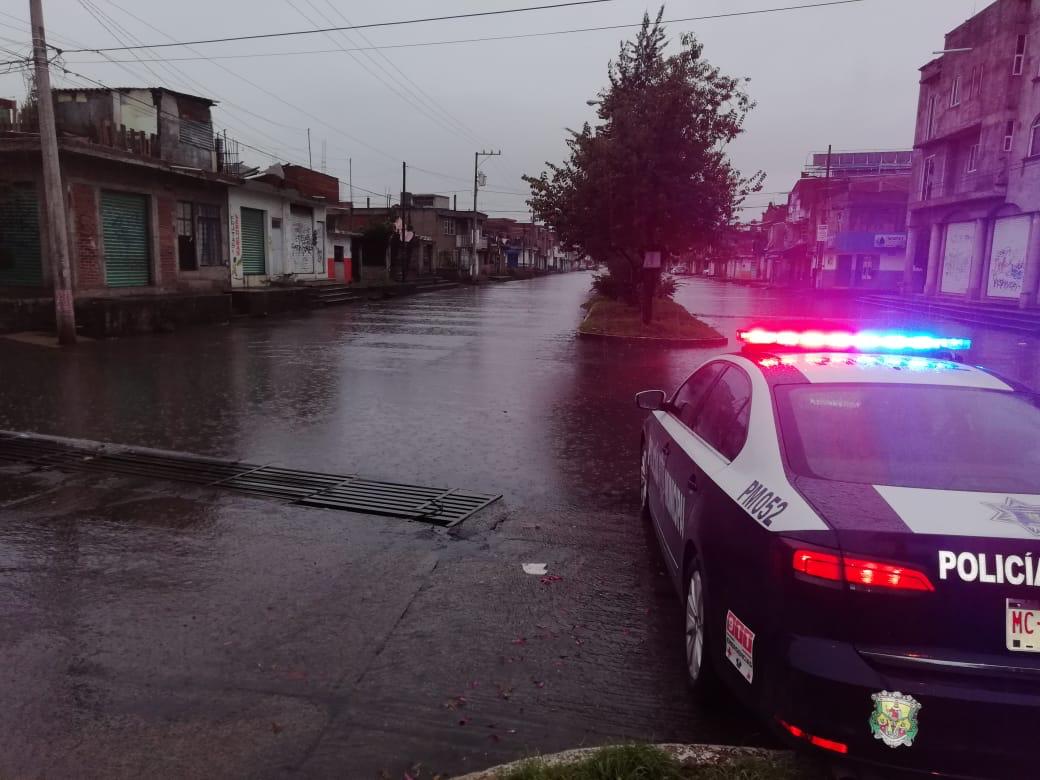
(975, 200)
(146, 201)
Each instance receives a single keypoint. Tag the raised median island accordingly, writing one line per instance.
(672, 325)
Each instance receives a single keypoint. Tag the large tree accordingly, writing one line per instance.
(653, 173)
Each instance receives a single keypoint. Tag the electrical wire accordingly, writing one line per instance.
(419, 91)
(370, 25)
(382, 80)
(512, 37)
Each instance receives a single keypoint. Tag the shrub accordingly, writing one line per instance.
(609, 286)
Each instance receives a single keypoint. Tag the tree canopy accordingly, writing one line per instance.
(653, 173)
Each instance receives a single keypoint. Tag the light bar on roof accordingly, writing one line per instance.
(848, 341)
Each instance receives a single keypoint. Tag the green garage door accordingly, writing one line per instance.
(254, 245)
(19, 237)
(124, 220)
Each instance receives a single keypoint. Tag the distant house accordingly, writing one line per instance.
(445, 236)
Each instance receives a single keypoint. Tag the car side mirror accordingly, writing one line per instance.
(651, 400)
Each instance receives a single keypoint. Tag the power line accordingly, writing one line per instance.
(350, 27)
(419, 92)
(516, 36)
(380, 77)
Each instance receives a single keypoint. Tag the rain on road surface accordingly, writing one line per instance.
(148, 627)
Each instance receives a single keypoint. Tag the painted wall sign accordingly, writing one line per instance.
(960, 241)
(890, 241)
(1007, 264)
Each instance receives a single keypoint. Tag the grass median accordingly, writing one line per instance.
(607, 317)
(645, 762)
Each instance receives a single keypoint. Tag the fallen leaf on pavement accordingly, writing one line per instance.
(276, 728)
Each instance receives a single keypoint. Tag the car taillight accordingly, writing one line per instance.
(884, 575)
(817, 564)
(859, 572)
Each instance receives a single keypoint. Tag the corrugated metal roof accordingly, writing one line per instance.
(137, 89)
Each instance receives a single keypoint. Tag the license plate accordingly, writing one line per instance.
(1023, 626)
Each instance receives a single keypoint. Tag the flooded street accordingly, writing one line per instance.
(245, 637)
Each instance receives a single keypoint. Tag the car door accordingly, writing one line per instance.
(718, 432)
(668, 441)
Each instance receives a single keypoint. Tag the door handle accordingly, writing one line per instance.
(691, 484)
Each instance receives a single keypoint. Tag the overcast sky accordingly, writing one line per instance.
(844, 75)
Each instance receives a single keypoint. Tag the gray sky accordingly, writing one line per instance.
(845, 75)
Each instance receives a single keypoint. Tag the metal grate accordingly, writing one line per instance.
(350, 493)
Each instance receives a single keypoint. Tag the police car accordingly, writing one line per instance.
(853, 521)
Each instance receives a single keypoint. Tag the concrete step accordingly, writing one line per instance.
(997, 316)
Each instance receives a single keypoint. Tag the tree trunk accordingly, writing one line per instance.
(648, 288)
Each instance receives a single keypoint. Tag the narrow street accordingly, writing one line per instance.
(147, 621)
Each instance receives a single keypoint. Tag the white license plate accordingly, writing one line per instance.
(1023, 626)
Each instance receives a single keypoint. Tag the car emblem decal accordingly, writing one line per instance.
(1015, 511)
(894, 719)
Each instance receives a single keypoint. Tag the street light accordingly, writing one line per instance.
(953, 51)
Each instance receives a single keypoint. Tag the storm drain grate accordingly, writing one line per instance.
(350, 493)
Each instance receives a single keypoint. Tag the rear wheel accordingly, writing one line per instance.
(699, 671)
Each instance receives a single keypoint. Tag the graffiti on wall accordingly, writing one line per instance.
(1007, 266)
(960, 242)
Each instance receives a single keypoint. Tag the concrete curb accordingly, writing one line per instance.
(687, 755)
(721, 341)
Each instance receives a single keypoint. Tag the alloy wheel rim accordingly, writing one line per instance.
(695, 627)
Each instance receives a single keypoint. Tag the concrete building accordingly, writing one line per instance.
(844, 225)
(147, 206)
(975, 199)
(277, 226)
(864, 244)
(445, 237)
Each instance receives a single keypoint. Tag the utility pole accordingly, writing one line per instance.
(53, 195)
(402, 246)
(310, 159)
(826, 217)
(350, 186)
(475, 262)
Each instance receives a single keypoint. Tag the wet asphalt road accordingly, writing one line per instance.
(152, 628)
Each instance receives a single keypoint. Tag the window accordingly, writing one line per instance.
(1034, 139)
(687, 401)
(723, 420)
(929, 437)
(186, 250)
(209, 243)
(1019, 63)
(1009, 135)
(973, 158)
(955, 92)
(976, 82)
(933, 107)
(448, 227)
(929, 187)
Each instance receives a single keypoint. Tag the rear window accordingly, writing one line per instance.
(943, 438)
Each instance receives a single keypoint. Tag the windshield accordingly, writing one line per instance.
(943, 438)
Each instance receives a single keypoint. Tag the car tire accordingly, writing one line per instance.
(700, 671)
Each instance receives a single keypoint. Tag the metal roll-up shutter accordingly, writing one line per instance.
(20, 237)
(124, 221)
(253, 243)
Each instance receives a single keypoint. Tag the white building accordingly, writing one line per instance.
(276, 234)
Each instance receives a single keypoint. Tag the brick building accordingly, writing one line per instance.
(146, 202)
(975, 198)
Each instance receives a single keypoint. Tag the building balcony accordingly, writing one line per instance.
(972, 187)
